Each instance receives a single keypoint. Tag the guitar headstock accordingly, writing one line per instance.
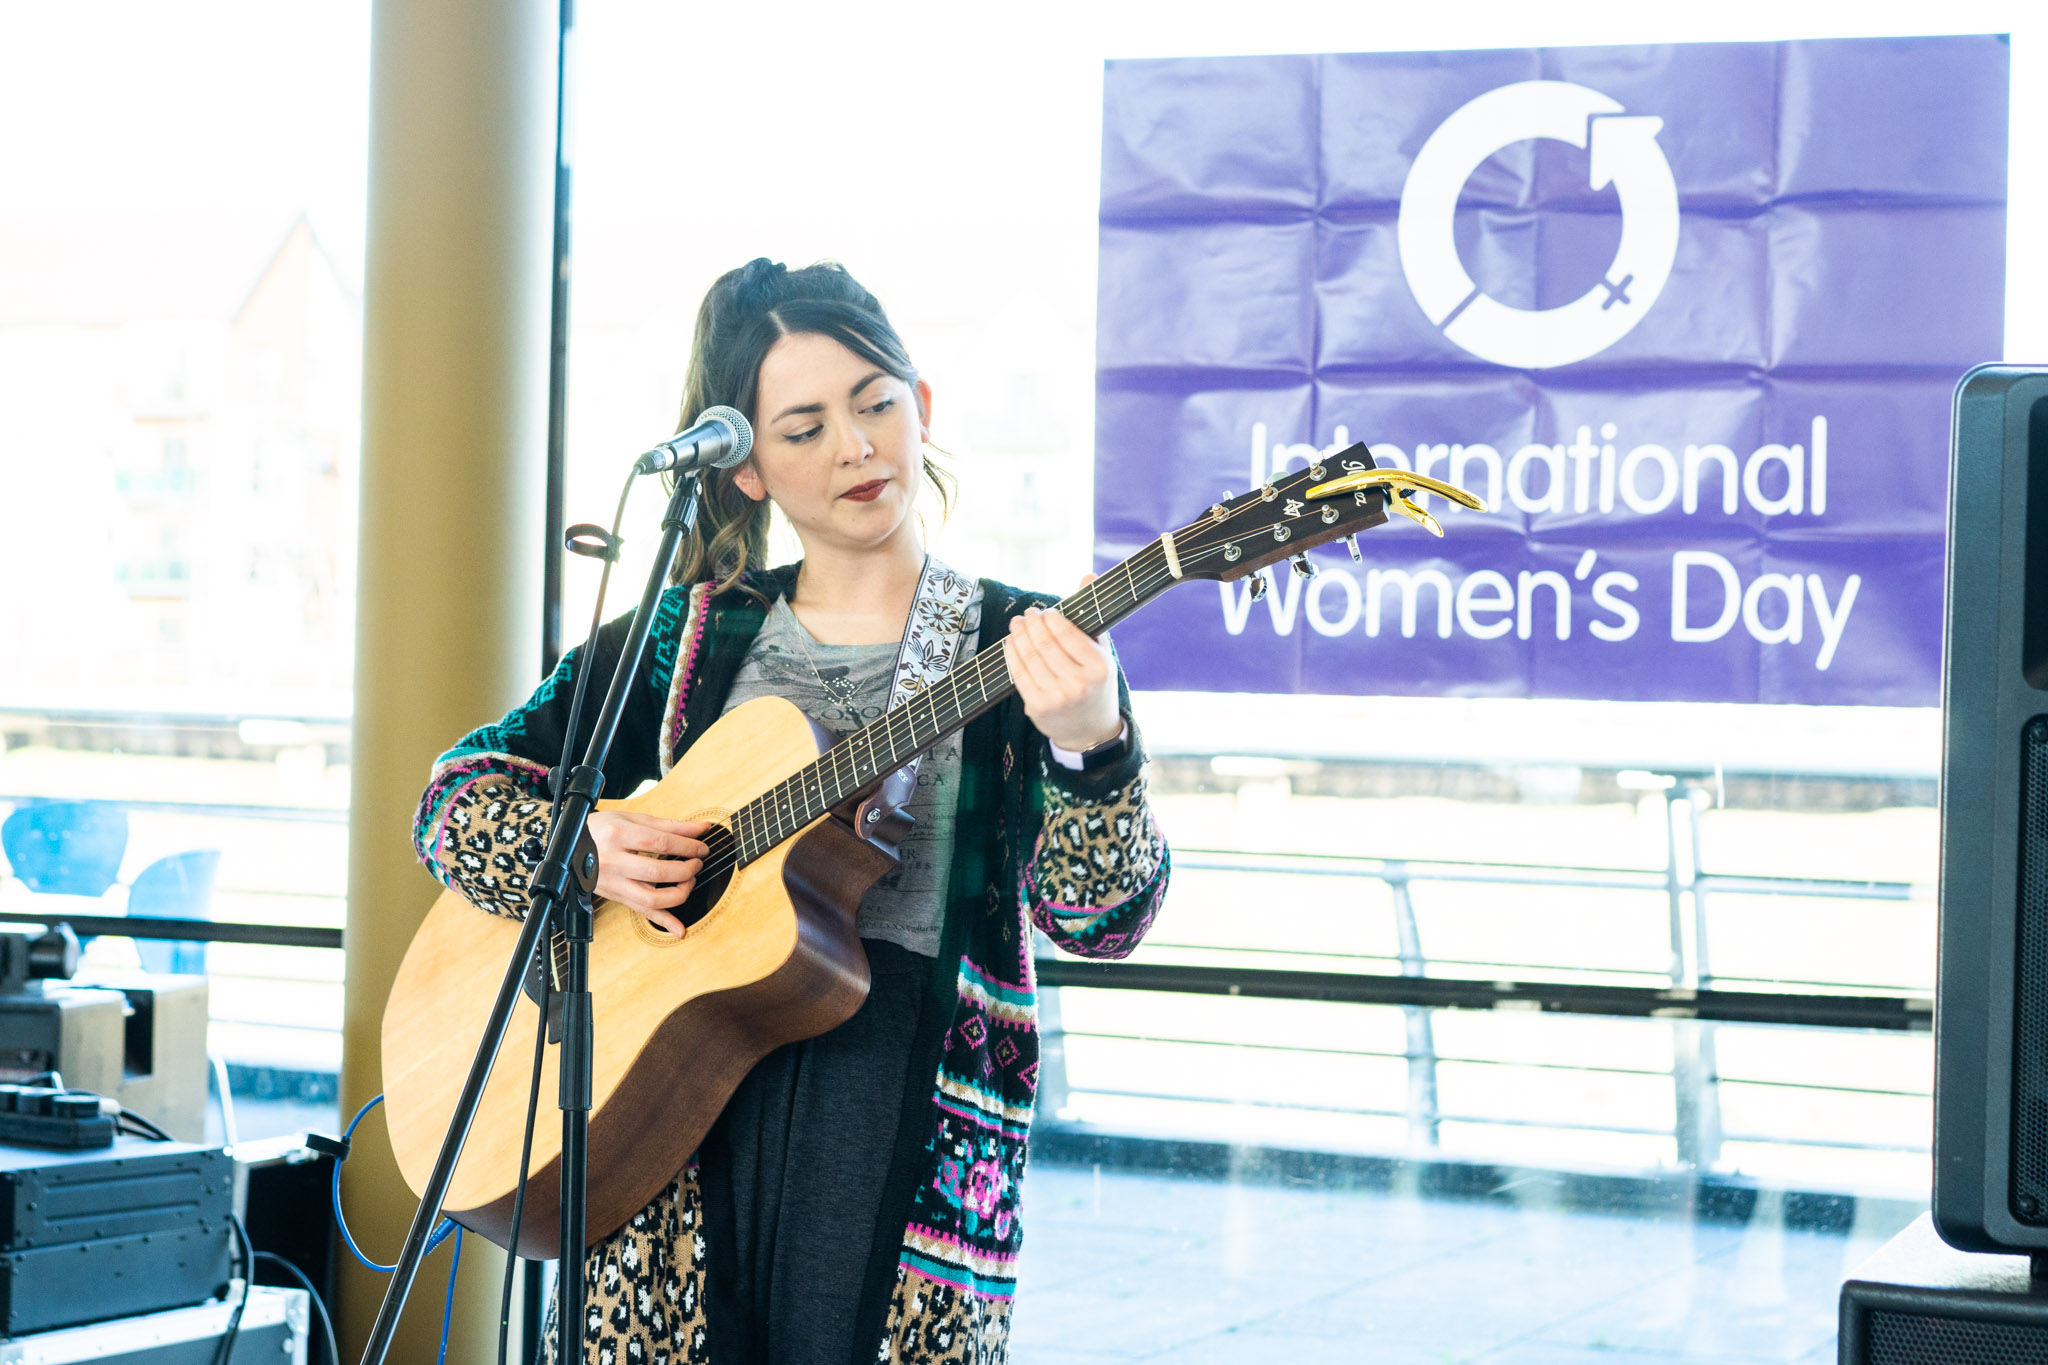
(1269, 524)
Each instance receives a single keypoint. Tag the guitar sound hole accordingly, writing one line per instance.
(717, 876)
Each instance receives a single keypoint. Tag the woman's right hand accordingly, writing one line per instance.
(648, 863)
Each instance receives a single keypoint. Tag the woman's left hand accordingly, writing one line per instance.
(1066, 677)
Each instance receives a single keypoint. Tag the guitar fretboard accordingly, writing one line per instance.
(871, 753)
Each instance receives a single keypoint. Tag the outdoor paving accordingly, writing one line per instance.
(1128, 1267)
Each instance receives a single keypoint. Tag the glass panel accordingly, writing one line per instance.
(1244, 1179)
(1822, 1110)
(1314, 1182)
(179, 387)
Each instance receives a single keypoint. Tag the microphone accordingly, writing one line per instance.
(719, 439)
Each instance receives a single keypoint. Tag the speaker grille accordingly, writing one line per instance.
(1912, 1339)
(2030, 989)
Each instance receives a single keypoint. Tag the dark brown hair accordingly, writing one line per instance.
(742, 317)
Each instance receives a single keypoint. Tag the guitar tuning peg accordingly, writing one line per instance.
(1302, 568)
(1351, 544)
(1259, 585)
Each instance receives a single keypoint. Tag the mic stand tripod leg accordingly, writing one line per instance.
(429, 1211)
(570, 863)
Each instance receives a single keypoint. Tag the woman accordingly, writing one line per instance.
(857, 1200)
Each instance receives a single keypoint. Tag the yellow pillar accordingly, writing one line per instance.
(455, 340)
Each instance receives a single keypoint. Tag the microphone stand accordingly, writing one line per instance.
(559, 900)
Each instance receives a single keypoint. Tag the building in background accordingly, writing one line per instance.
(178, 427)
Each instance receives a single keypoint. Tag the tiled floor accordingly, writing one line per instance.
(1128, 1267)
(1120, 1266)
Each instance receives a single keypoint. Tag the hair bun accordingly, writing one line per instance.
(759, 283)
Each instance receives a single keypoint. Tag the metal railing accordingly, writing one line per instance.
(1687, 992)
(243, 989)
(1689, 996)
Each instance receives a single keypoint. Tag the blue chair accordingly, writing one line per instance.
(66, 848)
(177, 887)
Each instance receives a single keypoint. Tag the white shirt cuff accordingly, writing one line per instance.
(1068, 758)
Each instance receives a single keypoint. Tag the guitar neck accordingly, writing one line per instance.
(871, 753)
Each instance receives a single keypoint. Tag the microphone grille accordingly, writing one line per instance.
(742, 434)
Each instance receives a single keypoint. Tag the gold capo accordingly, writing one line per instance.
(1397, 484)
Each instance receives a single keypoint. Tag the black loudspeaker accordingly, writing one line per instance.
(1991, 996)
(1918, 1302)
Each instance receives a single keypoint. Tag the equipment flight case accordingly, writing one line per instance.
(273, 1331)
(111, 1232)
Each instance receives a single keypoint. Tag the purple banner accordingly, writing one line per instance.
(1687, 317)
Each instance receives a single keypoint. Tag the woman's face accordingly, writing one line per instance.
(838, 443)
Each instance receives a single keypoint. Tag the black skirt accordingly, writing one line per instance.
(799, 1159)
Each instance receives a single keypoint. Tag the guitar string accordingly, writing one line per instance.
(785, 808)
(899, 729)
(986, 667)
(768, 820)
(979, 674)
(776, 807)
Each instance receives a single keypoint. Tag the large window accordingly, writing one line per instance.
(180, 280)
(1250, 1144)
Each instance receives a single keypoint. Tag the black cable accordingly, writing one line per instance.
(144, 1128)
(558, 779)
(540, 1034)
(326, 1323)
(604, 580)
(227, 1340)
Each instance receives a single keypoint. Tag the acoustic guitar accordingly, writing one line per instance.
(802, 827)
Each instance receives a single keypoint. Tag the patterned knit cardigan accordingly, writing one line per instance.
(1055, 847)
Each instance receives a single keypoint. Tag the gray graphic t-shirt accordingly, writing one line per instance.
(847, 688)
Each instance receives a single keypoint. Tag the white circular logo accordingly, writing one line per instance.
(1624, 153)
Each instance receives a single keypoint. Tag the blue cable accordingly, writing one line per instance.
(448, 1306)
(440, 1233)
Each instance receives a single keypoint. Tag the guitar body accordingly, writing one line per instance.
(775, 958)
